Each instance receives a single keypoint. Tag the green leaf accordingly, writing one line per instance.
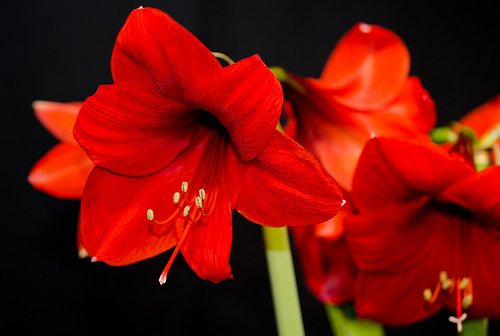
(344, 322)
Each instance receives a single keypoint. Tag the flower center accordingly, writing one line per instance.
(193, 216)
(463, 292)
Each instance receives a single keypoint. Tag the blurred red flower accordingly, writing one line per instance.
(426, 235)
(63, 171)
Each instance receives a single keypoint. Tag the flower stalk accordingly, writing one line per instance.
(283, 283)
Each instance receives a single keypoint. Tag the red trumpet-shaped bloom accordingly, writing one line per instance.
(364, 91)
(427, 235)
(175, 115)
(63, 171)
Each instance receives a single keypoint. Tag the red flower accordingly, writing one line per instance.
(483, 118)
(364, 91)
(427, 234)
(175, 115)
(63, 171)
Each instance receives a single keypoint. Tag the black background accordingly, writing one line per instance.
(60, 51)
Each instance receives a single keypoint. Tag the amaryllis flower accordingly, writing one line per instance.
(63, 171)
(186, 141)
(427, 235)
(364, 91)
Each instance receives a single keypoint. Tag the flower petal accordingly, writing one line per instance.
(125, 129)
(399, 171)
(113, 224)
(156, 53)
(484, 117)
(246, 98)
(62, 172)
(285, 185)
(58, 118)
(478, 193)
(368, 66)
(326, 265)
(208, 246)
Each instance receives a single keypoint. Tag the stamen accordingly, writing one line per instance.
(198, 202)
(443, 276)
(202, 194)
(150, 214)
(464, 283)
(427, 294)
(177, 197)
(223, 56)
(467, 301)
(447, 284)
(186, 211)
(184, 186)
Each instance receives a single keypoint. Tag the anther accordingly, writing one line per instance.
(184, 186)
(202, 194)
(177, 197)
(186, 211)
(463, 283)
(198, 202)
(150, 215)
(443, 276)
(446, 284)
(427, 294)
(467, 301)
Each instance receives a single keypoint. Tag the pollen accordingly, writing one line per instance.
(427, 294)
(202, 194)
(150, 214)
(199, 202)
(446, 284)
(184, 186)
(177, 197)
(463, 283)
(186, 211)
(443, 276)
(467, 301)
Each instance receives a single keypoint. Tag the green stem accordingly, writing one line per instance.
(475, 327)
(283, 284)
(344, 322)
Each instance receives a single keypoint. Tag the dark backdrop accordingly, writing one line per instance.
(60, 50)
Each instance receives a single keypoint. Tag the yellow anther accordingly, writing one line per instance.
(186, 211)
(150, 214)
(184, 186)
(446, 284)
(463, 283)
(443, 276)
(198, 202)
(177, 197)
(427, 294)
(202, 194)
(467, 301)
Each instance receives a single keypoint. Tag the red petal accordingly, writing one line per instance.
(285, 185)
(246, 98)
(132, 132)
(208, 246)
(156, 53)
(327, 267)
(399, 171)
(395, 299)
(58, 118)
(62, 172)
(113, 223)
(484, 117)
(369, 66)
(478, 193)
